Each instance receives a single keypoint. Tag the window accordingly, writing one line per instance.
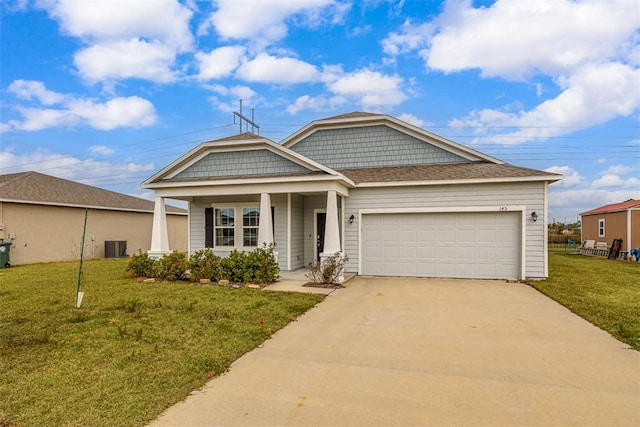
(601, 227)
(250, 223)
(224, 226)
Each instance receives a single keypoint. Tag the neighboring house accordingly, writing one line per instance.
(44, 216)
(395, 199)
(615, 221)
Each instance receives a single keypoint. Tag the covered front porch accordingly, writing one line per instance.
(304, 225)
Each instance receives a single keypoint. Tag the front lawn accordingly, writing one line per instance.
(604, 292)
(130, 351)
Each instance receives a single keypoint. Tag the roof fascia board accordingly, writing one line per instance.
(239, 189)
(394, 123)
(70, 205)
(249, 181)
(456, 181)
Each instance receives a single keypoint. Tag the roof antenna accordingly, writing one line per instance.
(247, 121)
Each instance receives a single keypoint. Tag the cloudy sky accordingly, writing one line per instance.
(108, 92)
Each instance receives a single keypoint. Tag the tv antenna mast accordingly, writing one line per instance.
(246, 121)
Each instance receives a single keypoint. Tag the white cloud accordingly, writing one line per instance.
(124, 59)
(410, 38)
(411, 119)
(591, 96)
(166, 21)
(219, 62)
(593, 63)
(138, 39)
(264, 22)
(618, 170)
(88, 171)
(611, 180)
(515, 38)
(30, 89)
(102, 150)
(319, 103)
(570, 177)
(370, 88)
(602, 160)
(576, 201)
(117, 112)
(270, 69)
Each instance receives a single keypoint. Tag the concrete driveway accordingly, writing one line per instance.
(426, 352)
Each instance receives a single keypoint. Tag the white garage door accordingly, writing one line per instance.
(480, 245)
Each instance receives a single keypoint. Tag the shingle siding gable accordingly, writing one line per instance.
(370, 146)
(241, 163)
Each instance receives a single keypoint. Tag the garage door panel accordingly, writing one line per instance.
(465, 245)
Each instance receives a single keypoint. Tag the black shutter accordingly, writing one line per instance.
(208, 227)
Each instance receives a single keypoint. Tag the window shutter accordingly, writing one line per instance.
(208, 227)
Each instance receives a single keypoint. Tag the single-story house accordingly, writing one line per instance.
(395, 199)
(43, 217)
(613, 221)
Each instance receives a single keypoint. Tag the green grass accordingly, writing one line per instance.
(130, 351)
(604, 292)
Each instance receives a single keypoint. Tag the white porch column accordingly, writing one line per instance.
(331, 228)
(265, 226)
(159, 233)
(331, 231)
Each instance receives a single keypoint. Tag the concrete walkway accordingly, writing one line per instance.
(400, 352)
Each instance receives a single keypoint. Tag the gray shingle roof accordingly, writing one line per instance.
(442, 172)
(38, 188)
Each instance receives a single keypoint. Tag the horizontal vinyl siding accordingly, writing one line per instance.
(297, 232)
(196, 229)
(279, 203)
(451, 196)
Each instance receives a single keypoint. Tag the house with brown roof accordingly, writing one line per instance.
(613, 221)
(395, 199)
(43, 217)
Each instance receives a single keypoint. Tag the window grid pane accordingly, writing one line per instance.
(224, 226)
(250, 222)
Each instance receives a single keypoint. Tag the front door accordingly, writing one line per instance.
(321, 218)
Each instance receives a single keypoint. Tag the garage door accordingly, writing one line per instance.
(481, 245)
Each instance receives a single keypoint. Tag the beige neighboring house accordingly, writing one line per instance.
(43, 217)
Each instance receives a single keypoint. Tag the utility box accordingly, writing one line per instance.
(115, 248)
(5, 248)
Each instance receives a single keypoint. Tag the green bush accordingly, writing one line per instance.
(172, 266)
(204, 264)
(258, 266)
(263, 265)
(141, 265)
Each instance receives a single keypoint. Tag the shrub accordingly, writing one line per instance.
(235, 267)
(204, 264)
(263, 265)
(327, 272)
(141, 265)
(172, 266)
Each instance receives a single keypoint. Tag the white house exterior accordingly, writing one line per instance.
(395, 199)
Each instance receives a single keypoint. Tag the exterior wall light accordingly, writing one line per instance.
(351, 218)
(534, 216)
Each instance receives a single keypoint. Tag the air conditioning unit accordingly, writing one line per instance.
(115, 248)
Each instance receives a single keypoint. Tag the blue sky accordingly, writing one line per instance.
(108, 92)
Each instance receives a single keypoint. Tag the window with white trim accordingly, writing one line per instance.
(250, 224)
(601, 227)
(224, 226)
